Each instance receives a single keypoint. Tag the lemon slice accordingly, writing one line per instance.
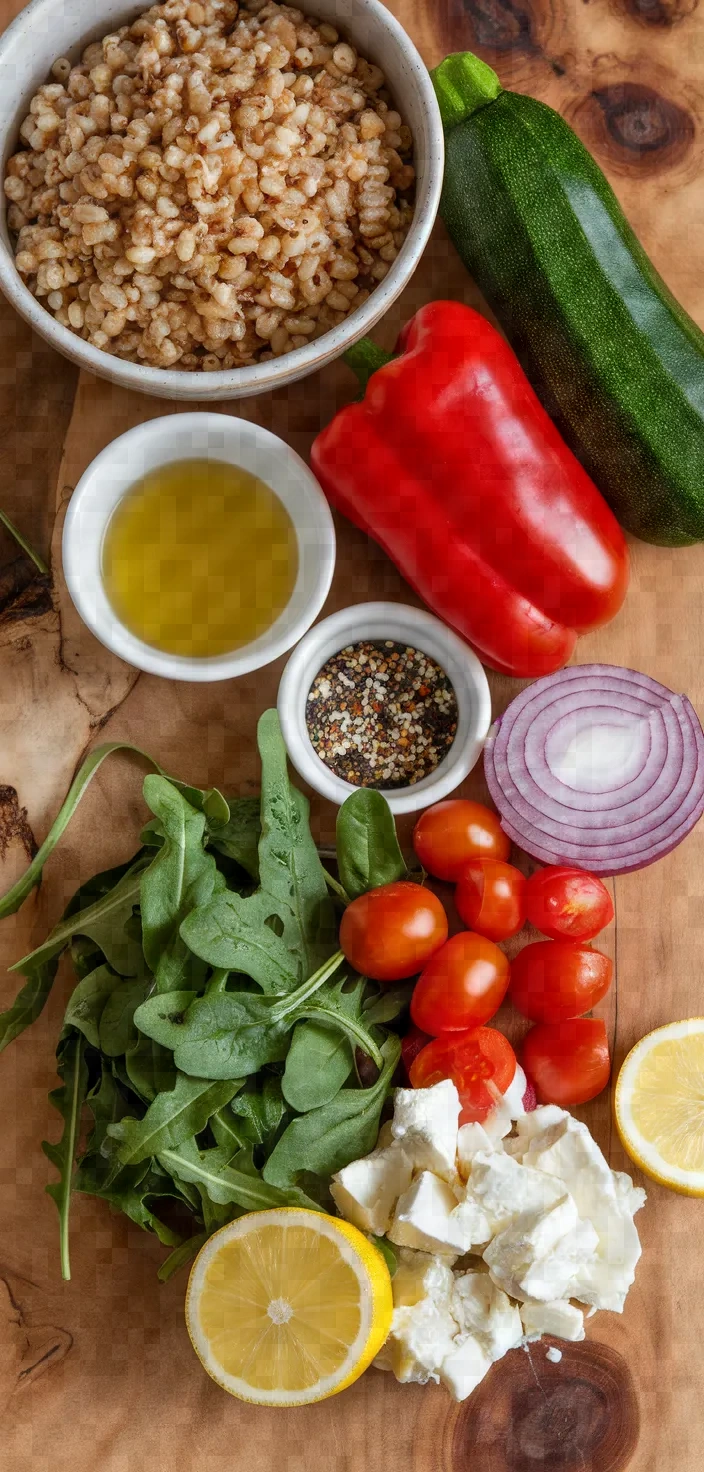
(286, 1307)
(659, 1105)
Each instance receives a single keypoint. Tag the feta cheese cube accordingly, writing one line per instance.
(530, 1125)
(417, 1276)
(423, 1218)
(557, 1317)
(505, 1189)
(464, 1367)
(483, 1310)
(366, 1191)
(499, 1121)
(538, 1255)
(421, 1338)
(425, 1121)
(471, 1224)
(470, 1139)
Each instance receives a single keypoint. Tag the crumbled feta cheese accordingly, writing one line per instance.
(471, 1224)
(422, 1336)
(417, 1276)
(553, 1354)
(530, 1125)
(483, 1310)
(426, 1121)
(540, 1253)
(366, 1191)
(464, 1367)
(424, 1218)
(470, 1139)
(567, 1151)
(559, 1317)
(504, 1188)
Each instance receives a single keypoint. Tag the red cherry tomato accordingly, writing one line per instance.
(450, 833)
(554, 980)
(411, 1046)
(480, 1062)
(490, 898)
(567, 903)
(567, 1062)
(463, 985)
(391, 932)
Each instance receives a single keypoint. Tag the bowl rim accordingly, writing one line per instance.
(318, 544)
(424, 630)
(190, 384)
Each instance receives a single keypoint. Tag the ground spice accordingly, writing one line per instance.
(381, 714)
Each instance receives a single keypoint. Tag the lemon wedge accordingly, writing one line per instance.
(659, 1105)
(287, 1307)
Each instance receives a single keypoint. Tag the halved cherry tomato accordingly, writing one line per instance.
(480, 1062)
(553, 980)
(567, 903)
(463, 985)
(392, 931)
(452, 832)
(490, 898)
(411, 1046)
(567, 1062)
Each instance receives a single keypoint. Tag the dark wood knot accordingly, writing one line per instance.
(498, 25)
(529, 1415)
(659, 12)
(633, 127)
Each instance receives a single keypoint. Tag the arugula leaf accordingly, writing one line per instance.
(172, 1117)
(388, 1003)
(318, 1063)
(103, 921)
(150, 1068)
(260, 1109)
(239, 838)
(226, 1035)
(180, 877)
(368, 852)
(72, 1069)
(30, 1000)
(229, 1133)
(162, 1017)
(237, 934)
(328, 1138)
(87, 1003)
(181, 1256)
(224, 1183)
(116, 1025)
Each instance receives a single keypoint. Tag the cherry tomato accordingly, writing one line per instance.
(392, 931)
(450, 833)
(567, 1062)
(554, 980)
(489, 898)
(411, 1046)
(480, 1062)
(568, 903)
(463, 985)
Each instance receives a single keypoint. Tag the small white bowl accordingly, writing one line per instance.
(418, 630)
(193, 437)
(47, 29)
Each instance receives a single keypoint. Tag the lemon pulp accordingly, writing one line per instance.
(200, 557)
(659, 1105)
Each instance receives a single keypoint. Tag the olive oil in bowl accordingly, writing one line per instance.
(199, 558)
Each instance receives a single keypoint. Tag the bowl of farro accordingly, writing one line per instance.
(210, 199)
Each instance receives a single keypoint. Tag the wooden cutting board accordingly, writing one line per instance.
(124, 1392)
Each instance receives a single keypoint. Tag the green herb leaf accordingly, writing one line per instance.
(68, 1100)
(318, 1063)
(259, 1108)
(239, 838)
(181, 877)
(388, 1252)
(328, 1138)
(150, 1068)
(103, 921)
(237, 934)
(181, 1256)
(368, 852)
(388, 1004)
(87, 1002)
(227, 1035)
(30, 1000)
(171, 1118)
(162, 1017)
(224, 1183)
(229, 1133)
(116, 1026)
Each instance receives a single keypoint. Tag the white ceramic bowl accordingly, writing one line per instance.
(405, 625)
(47, 29)
(192, 437)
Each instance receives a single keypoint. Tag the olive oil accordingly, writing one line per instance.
(199, 558)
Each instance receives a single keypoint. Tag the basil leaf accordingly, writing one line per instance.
(180, 877)
(171, 1118)
(368, 852)
(328, 1138)
(71, 1066)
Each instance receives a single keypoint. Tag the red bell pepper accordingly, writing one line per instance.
(451, 463)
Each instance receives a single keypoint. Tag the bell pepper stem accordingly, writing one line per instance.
(364, 357)
(463, 83)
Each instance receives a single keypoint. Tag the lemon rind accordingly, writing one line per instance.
(643, 1153)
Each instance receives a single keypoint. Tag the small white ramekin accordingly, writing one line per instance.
(194, 437)
(405, 625)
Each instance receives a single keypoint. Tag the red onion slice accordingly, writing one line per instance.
(597, 766)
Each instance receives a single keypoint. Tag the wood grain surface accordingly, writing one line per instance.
(629, 76)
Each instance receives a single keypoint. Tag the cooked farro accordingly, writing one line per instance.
(211, 186)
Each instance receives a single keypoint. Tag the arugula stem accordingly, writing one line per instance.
(335, 887)
(354, 1030)
(15, 532)
(218, 980)
(302, 993)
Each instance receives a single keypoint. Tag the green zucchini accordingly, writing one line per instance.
(616, 361)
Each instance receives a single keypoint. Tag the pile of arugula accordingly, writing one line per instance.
(215, 1033)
